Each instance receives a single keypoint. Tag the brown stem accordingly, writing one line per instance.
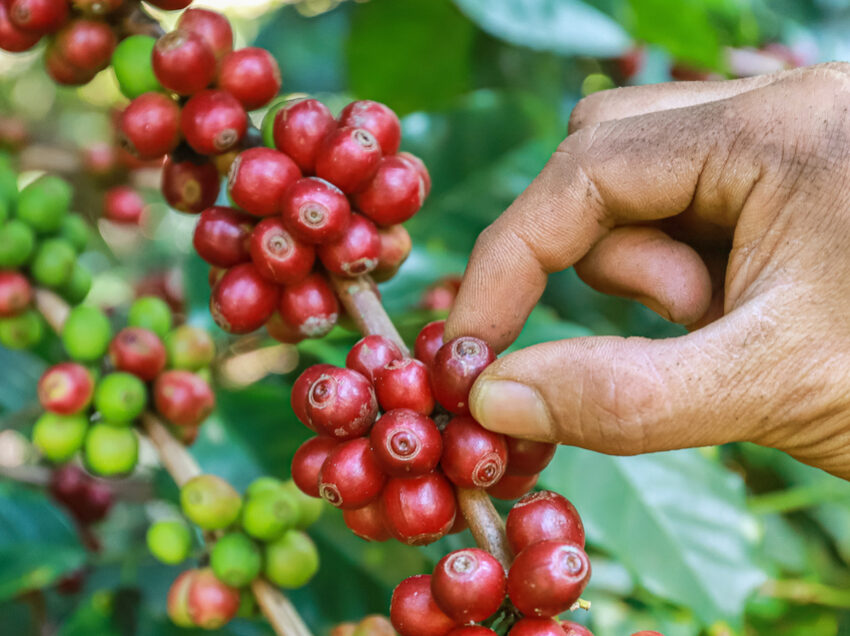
(126, 489)
(53, 308)
(485, 524)
(249, 359)
(273, 603)
(135, 21)
(50, 158)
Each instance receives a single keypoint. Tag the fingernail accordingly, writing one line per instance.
(511, 408)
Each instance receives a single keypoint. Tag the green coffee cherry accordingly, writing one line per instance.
(267, 515)
(22, 331)
(210, 502)
(111, 449)
(267, 127)
(247, 605)
(75, 230)
(169, 541)
(78, 285)
(309, 507)
(59, 437)
(120, 397)
(151, 313)
(44, 203)
(236, 560)
(190, 348)
(17, 243)
(292, 560)
(262, 484)
(53, 263)
(86, 334)
(8, 187)
(131, 62)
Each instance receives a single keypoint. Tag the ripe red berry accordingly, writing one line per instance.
(72, 584)
(419, 510)
(66, 388)
(429, 341)
(95, 503)
(456, 366)
(395, 248)
(299, 129)
(213, 122)
(150, 126)
(61, 72)
(350, 478)
(413, 611)
(307, 463)
(574, 629)
(189, 186)
(473, 457)
(468, 585)
(211, 603)
(13, 38)
(341, 404)
(222, 236)
(122, 204)
(213, 27)
(39, 16)
(512, 487)
(527, 457)
(441, 295)
(472, 630)
(371, 354)
(406, 444)
(177, 603)
(67, 483)
(138, 351)
(367, 522)
(310, 307)
(15, 293)
(378, 119)
(301, 387)
(316, 211)
(404, 384)
(647, 633)
(183, 62)
(183, 398)
(87, 45)
(96, 7)
(356, 252)
(348, 158)
(394, 194)
(251, 75)
(536, 627)
(543, 516)
(243, 300)
(277, 255)
(548, 577)
(420, 166)
(259, 177)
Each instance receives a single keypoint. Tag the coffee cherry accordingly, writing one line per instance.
(473, 457)
(44, 203)
(183, 398)
(22, 331)
(378, 119)
(183, 62)
(213, 27)
(374, 625)
(12, 38)
(292, 560)
(66, 388)
(536, 627)
(441, 295)
(548, 577)
(87, 45)
(267, 515)
(17, 243)
(213, 122)
(169, 541)
(150, 126)
(300, 389)
(236, 560)
(133, 67)
(277, 255)
(406, 443)
(512, 487)
(404, 384)
(351, 477)
(39, 16)
(122, 204)
(96, 7)
(59, 437)
(367, 522)
(309, 307)
(456, 366)
(429, 341)
(468, 585)
(190, 348)
(210, 602)
(299, 129)
(120, 397)
(171, 5)
(316, 211)
(61, 72)
(526, 457)
(419, 510)
(543, 516)
(251, 75)
(222, 236)
(53, 263)
(413, 611)
(471, 630)
(307, 463)
(394, 194)
(341, 404)
(395, 248)
(356, 252)
(177, 604)
(647, 633)
(210, 502)
(78, 286)
(574, 629)
(67, 484)
(309, 509)
(111, 450)
(95, 503)
(371, 354)
(151, 313)
(259, 177)
(348, 158)
(15, 293)
(86, 333)
(243, 300)
(188, 186)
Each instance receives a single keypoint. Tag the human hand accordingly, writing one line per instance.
(723, 206)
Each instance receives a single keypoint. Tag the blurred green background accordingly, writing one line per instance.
(732, 540)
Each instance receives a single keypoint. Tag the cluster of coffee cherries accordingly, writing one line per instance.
(260, 535)
(92, 401)
(40, 242)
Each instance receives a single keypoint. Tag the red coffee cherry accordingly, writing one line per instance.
(378, 119)
(95, 502)
(405, 384)
(543, 516)
(526, 457)
(441, 295)
(536, 627)
(15, 293)
(183, 62)
(251, 75)
(341, 404)
(348, 158)
(308, 461)
(310, 307)
(122, 204)
(300, 389)
(277, 255)
(647, 633)
(413, 611)
(419, 510)
(395, 248)
(356, 253)
(138, 351)
(189, 186)
(420, 166)
(429, 341)
(61, 72)
(222, 236)
(66, 388)
(213, 122)
(456, 366)
(213, 27)
(243, 300)
(183, 398)
(67, 484)
(13, 38)
(299, 129)
(86, 45)
(394, 194)
(368, 522)
(211, 603)
(574, 629)
(350, 478)
(473, 457)
(468, 585)
(259, 177)
(512, 487)
(406, 444)
(96, 7)
(548, 577)
(371, 354)
(150, 126)
(316, 211)
(171, 5)
(472, 630)
(177, 603)
(39, 16)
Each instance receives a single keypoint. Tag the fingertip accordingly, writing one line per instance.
(510, 407)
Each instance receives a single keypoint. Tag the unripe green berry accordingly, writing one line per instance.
(169, 541)
(17, 244)
(178, 599)
(248, 607)
(190, 348)
(262, 484)
(111, 449)
(131, 62)
(76, 231)
(292, 560)
(310, 508)
(120, 397)
(151, 313)
(236, 560)
(53, 263)
(267, 127)
(22, 331)
(267, 515)
(78, 285)
(59, 437)
(8, 188)
(210, 502)
(86, 334)
(44, 203)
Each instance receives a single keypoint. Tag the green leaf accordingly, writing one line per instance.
(683, 27)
